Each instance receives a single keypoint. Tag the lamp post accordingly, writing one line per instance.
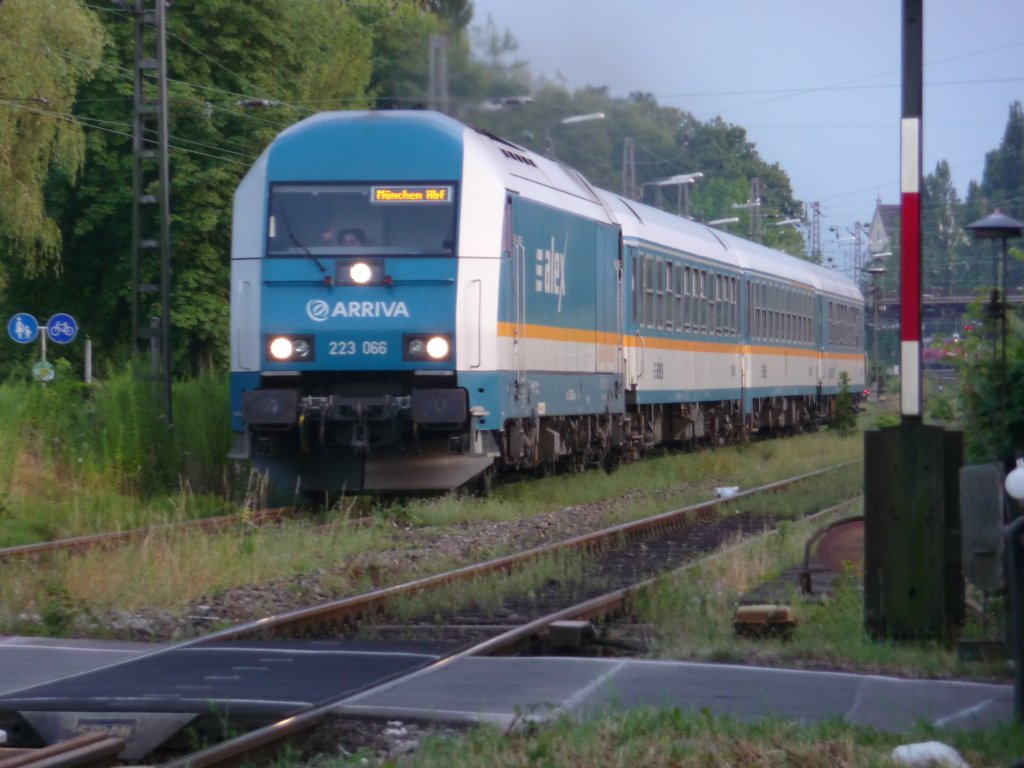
(999, 226)
(683, 182)
(876, 271)
(571, 120)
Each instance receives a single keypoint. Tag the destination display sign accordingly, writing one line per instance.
(416, 194)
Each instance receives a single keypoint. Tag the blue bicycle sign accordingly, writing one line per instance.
(23, 328)
(61, 328)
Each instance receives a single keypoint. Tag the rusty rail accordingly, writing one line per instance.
(117, 538)
(89, 749)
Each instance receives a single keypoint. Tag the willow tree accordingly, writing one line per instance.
(47, 49)
(239, 72)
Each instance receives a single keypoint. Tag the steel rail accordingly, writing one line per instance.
(116, 538)
(241, 748)
(89, 749)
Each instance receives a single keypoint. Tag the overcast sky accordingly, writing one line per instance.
(816, 83)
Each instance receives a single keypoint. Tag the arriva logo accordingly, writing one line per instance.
(319, 310)
(550, 273)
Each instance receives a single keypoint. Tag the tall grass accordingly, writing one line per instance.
(77, 458)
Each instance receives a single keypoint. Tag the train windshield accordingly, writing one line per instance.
(400, 219)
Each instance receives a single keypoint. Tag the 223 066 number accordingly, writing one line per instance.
(348, 347)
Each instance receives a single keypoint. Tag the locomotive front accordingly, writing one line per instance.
(344, 276)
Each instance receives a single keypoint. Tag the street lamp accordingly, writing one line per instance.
(571, 120)
(719, 222)
(999, 226)
(755, 216)
(876, 271)
(493, 105)
(683, 182)
(258, 103)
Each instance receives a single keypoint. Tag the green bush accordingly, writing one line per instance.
(845, 420)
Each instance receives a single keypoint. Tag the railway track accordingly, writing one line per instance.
(620, 561)
(80, 544)
(90, 750)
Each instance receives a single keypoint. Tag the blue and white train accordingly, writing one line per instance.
(416, 305)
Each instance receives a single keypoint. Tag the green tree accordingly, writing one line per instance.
(845, 419)
(942, 232)
(482, 74)
(399, 54)
(1003, 178)
(993, 416)
(457, 14)
(47, 49)
(299, 56)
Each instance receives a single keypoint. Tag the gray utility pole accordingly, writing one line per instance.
(859, 231)
(754, 204)
(629, 190)
(755, 215)
(876, 270)
(439, 100)
(816, 253)
(151, 206)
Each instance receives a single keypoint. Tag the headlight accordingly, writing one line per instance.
(283, 349)
(438, 348)
(431, 348)
(361, 272)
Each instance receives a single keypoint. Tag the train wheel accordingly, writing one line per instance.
(612, 461)
(573, 462)
(546, 468)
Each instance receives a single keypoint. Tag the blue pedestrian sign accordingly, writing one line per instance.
(62, 328)
(23, 328)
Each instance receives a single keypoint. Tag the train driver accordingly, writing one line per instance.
(351, 237)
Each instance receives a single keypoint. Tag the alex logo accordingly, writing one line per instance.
(550, 272)
(319, 310)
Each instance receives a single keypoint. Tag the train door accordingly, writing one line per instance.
(608, 307)
(744, 328)
(637, 288)
(819, 341)
(516, 251)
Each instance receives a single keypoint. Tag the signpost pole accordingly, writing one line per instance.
(913, 580)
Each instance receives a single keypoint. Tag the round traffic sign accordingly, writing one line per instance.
(61, 328)
(43, 371)
(23, 328)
